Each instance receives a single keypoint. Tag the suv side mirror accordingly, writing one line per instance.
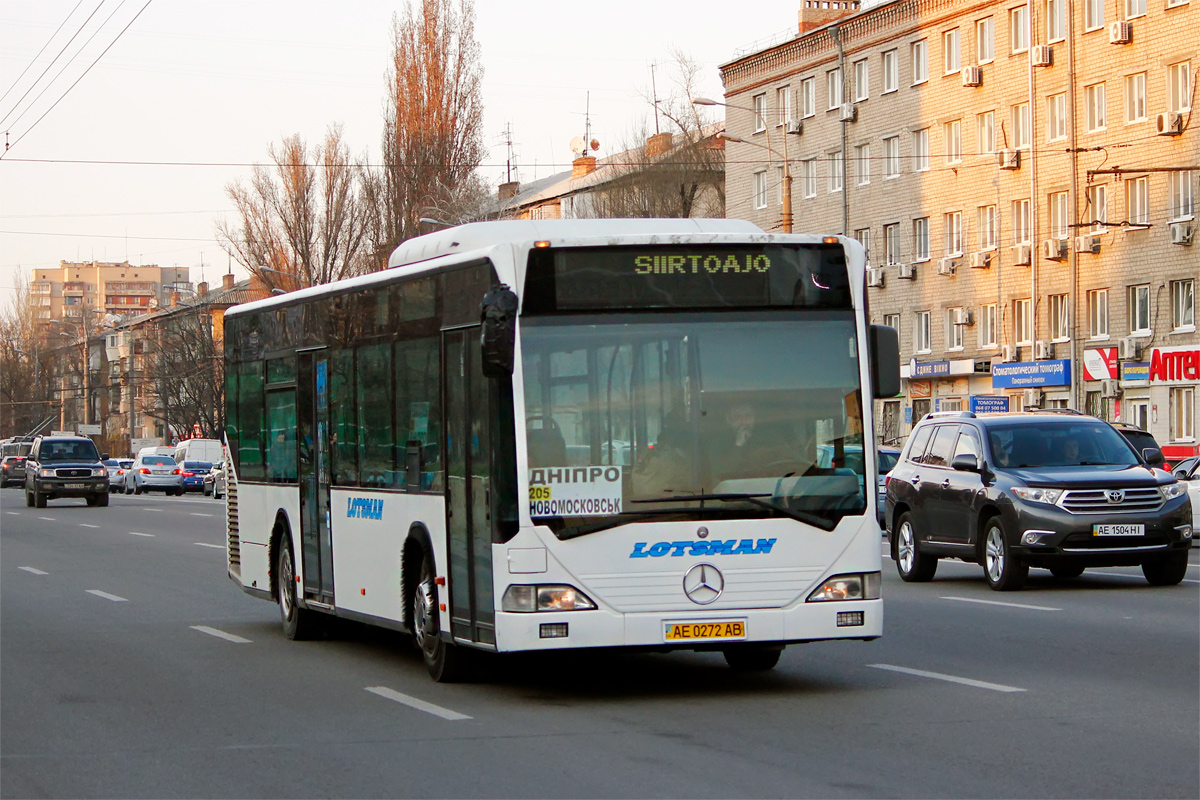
(965, 462)
(104, 456)
(1153, 456)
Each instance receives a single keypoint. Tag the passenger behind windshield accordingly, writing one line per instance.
(1059, 445)
(69, 451)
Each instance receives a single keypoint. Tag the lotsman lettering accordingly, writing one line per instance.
(720, 548)
(660, 549)
(745, 546)
(765, 545)
(699, 549)
(679, 547)
(639, 550)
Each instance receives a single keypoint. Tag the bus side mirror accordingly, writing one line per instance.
(884, 343)
(497, 339)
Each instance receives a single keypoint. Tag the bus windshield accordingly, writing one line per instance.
(692, 415)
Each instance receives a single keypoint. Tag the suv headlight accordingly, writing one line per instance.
(860, 586)
(1036, 495)
(1172, 490)
(526, 598)
(46, 472)
(98, 471)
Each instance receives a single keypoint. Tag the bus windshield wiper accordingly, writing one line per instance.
(616, 521)
(753, 499)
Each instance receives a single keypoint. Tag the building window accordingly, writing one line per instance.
(891, 71)
(920, 59)
(952, 131)
(891, 157)
(952, 55)
(760, 190)
(921, 150)
(760, 113)
(1056, 20)
(922, 335)
(1098, 313)
(987, 325)
(954, 331)
(1058, 215)
(863, 237)
(892, 321)
(1183, 305)
(783, 103)
(1135, 97)
(1020, 121)
(1135, 8)
(835, 172)
(954, 238)
(1137, 200)
(808, 176)
(1183, 413)
(862, 164)
(808, 97)
(1179, 91)
(985, 126)
(1139, 309)
(1182, 201)
(1023, 321)
(1097, 115)
(1093, 14)
(1056, 117)
(891, 243)
(988, 225)
(1018, 29)
(833, 85)
(985, 41)
(921, 239)
(1022, 222)
(1060, 318)
(1098, 207)
(862, 80)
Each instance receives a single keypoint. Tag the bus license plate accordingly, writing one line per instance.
(75, 486)
(715, 629)
(1118, 530)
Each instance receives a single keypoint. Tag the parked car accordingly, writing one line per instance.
(1183, 469)
(886, 458)
(1192, 478)
(193, 474)
(65, 466)
(152, 471)
(12, 471)
(116, 475)
(214, 481)
(1014, 491)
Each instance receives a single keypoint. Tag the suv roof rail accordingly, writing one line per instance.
(1074, 411)
(967, 414)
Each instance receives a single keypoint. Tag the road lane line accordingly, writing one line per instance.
(135, 533)
(85, 525)
(196, 514)
(151, 509)
(229, 637)
(34, 571)
(1000, 603)
(14, 513)
(48, 519)
(107, 596)
(420, 705)
(206, 544)
(995, 687)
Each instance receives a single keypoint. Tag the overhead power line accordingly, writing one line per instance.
(39, 53)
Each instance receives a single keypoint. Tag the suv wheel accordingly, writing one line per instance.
(911, 563)
(1167, 571)
(1066, 571)
(1005, 572)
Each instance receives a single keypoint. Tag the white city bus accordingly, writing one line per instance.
(536, 435)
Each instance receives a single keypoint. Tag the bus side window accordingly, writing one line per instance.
(418, 407)
(376, 439)
(250, 420)
(343, 437)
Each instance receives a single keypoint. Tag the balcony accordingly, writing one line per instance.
(74, 287)
(129, 287)
(41, 287)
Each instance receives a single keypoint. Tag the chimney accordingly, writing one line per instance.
(174, 298)
(584, 165)
(202, 288)
(815, 13)
(227, 281)
(509, 190)
(658, 144)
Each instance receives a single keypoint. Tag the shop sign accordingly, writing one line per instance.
(920, 389)
(929, 369)
(1175, 364)
(985, 403)
(1054, 372)
(1135, 372)
(1100, 364)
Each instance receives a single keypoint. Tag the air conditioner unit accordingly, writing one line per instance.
(1054, 249)
(1043, 350)
(1022, 254)
(1120, 33)
(1008, 353)
(907, 272)
(981, 260)
(875, 277)
(1042, 55)
(1181, 232)
(1128, 348)
(1109, 388)
(794, 127)
(849, 112)
(972, 76)
(1033, 398)
(1087, 244)
(1010, 158)
(948, 266)
(1169, 123)
(963, 316)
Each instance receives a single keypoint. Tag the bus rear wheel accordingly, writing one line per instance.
(298, 623)
(752, 658)
(446, 662)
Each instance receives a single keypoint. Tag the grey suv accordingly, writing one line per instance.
(65, 466)
(1014, 491)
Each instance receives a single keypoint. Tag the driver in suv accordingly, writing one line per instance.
(65, 466)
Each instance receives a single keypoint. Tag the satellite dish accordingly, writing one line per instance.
(594, 144)
(578, 145)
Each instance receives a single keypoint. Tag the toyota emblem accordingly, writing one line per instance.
(703, 584)
(1115, 495)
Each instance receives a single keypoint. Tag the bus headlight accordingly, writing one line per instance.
(523, 598)
(859, 586)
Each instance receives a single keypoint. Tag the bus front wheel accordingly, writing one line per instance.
(446, 662)
(752, 658)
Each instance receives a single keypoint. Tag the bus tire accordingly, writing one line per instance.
(446, 662)
(752, 657)
(299, 623)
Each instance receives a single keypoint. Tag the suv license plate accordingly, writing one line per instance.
(715, 629)
(74, 485)
(1118, 530)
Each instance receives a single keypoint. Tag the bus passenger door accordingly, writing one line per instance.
(313, 418)
(468, 486)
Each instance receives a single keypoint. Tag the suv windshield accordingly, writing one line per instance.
(1067, 443)
(68, 451)
(634, 415)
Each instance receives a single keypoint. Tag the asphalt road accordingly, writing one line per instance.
(130, 666)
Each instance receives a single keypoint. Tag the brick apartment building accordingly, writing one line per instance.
(71, 291)
(1023, 176)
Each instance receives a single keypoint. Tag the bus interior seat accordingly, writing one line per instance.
(547, 447)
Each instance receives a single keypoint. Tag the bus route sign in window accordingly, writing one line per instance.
(698, 276)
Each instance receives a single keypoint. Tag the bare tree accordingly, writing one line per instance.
(25, 399)
(306, 221)
(186, 372)
(432, 142)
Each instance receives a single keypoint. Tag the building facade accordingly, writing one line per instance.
(1023, 176)
(73, 290)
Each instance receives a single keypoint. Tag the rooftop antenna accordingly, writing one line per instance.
(654, 95)
(509, 158)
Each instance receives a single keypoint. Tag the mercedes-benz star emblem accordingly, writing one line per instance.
(703, 584)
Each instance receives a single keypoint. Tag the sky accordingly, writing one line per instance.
(132, 163)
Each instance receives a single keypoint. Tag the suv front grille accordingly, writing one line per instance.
(73, 473)
(1101, 501)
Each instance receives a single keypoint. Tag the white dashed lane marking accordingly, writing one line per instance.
(206, 544)
(107, 596)
(48, 519)
(85, 525)
(14, 513)
(135, 533)
(196, 514)
(1001, 603)
(938, 676)
(229, 637)
(420, 705)
(34, 571)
